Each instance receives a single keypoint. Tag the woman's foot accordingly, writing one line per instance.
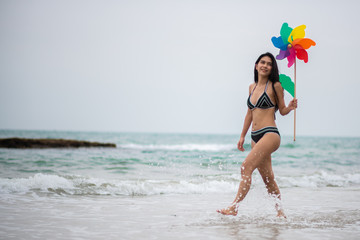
(281, 214)
(232, 210)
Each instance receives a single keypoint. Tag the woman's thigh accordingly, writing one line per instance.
(268, 144)
(261, 151)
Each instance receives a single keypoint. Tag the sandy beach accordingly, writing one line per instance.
(183, 217)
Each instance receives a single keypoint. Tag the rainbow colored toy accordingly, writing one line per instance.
(292, 44)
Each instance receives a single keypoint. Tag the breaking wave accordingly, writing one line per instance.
(80, 185)
(182, 147)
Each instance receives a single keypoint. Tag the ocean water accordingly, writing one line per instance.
(162, 186)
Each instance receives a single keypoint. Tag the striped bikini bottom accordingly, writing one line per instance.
(258, 134)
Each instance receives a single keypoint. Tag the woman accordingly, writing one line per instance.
(265, 96)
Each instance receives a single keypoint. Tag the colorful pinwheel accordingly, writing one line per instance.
(292, 44)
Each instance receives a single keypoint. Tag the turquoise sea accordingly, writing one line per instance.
(162, 186)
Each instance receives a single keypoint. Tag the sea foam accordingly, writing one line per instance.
(80, 185)
(182, 147)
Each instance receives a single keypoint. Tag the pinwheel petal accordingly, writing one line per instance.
(282, 54)
(301, 53)
(291, 57)
(287, 84)
(278, 42)
(306, 43)
(298, 32)
(285, 33)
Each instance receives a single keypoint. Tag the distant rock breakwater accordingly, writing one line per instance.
(50, 143)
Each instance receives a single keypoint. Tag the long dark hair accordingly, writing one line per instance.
(274, 75)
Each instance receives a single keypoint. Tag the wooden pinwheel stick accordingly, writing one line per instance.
(295, 98)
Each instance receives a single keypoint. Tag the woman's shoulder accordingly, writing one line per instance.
(252, 85)
(277, 86)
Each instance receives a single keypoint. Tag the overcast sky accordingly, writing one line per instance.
(178, 66)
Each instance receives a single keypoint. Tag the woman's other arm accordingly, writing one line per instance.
(283, 109)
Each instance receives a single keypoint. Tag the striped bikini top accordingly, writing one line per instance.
(264, 101)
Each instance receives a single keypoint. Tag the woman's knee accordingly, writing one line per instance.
(246, 169)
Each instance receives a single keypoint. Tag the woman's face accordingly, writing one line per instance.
(264, 66)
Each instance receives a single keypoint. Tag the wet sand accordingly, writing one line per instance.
(326, 213)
